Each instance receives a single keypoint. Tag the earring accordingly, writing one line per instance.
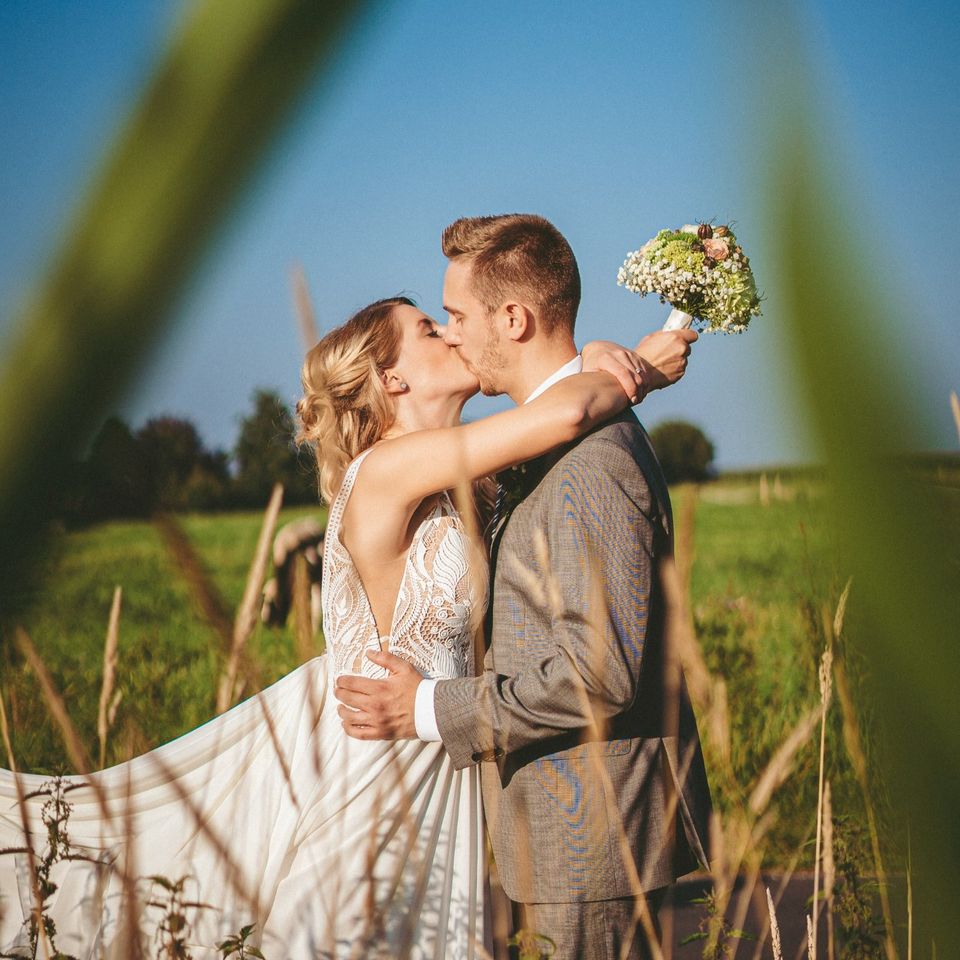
(403, 386)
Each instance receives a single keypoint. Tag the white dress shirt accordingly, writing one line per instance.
(424, 712)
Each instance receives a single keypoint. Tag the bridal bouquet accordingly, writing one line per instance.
(701, 271)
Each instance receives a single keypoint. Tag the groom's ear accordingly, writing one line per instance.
(518, 320)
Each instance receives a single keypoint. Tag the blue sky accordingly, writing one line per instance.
(612, 119)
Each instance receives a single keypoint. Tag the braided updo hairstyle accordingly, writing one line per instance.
(345, 407)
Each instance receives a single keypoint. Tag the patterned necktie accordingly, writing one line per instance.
(510, 491)
(498, 504)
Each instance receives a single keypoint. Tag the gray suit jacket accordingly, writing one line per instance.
(597, 780)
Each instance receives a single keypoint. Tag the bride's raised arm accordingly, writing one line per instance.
(403, 470)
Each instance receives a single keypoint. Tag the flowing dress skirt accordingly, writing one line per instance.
(333, 847)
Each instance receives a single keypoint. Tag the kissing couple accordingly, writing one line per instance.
(495, 626)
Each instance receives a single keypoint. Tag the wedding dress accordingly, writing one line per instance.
(334, 847)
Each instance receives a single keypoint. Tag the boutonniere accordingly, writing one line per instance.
(515, 484)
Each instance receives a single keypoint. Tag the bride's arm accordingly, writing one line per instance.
(659, 359)
(406, 469)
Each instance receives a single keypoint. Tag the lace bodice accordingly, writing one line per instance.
(439, 605)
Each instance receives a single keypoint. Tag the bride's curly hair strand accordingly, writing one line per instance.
(345, 407)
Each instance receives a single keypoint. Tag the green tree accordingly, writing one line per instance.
(266, 454)
(684, 451)
(172, 449)
(116, 479)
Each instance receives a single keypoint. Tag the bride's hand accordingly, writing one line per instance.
(624, 364)
(663, 357)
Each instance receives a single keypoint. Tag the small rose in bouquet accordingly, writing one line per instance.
(702, 272)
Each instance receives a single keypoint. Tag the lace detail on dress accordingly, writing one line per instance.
(439, 604)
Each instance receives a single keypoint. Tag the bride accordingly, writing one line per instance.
(269, 814)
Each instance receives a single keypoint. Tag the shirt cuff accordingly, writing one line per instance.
(424, 714)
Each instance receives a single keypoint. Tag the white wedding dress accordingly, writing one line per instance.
(334, 847)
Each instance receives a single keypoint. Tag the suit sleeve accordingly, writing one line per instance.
(600, 542)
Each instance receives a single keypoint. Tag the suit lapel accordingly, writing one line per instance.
(532, 472)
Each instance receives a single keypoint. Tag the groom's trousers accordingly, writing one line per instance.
(594, 930)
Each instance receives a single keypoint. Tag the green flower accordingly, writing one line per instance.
(683, 255)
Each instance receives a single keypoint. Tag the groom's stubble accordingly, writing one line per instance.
(491, 364)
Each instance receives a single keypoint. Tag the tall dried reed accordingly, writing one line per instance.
(855, 751)
(829, 866)
(826, 685)
(303, 307)
(247, 613)
(109, 702)
(774, 929)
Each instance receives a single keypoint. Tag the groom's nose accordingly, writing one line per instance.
(449, 337)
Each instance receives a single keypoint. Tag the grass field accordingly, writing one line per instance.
(761, 576)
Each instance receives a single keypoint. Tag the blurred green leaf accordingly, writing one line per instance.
(228, 78)
(897, 532)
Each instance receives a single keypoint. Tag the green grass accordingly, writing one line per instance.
(761, 576)
(169, 657)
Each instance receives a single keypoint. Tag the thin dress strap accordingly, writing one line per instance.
(335, 516)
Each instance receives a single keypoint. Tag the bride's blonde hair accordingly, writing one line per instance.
(345, 407)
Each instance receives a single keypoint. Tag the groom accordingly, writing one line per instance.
(594, 787)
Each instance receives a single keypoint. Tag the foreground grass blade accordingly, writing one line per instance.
(892, 527)
(229, 76)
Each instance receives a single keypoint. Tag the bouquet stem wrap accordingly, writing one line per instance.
(678, 320)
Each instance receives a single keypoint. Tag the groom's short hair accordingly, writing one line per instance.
(520, 254)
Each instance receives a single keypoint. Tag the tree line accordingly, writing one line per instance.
(165, 466)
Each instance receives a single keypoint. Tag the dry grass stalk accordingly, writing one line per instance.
(595, 729)
(785, 879)
(467, 498)
(104, 710)
(247, 614)
(708, 695)
(955, 407)
(303, 306)
(723, 873)
(234, 873)
(278, 748)
(829, 866)
(858, 759)
(58, 710)
(5, 733)
(305, 642)
(25, 823)
(302, 614)
(811, 938)
(201, 587)
(841, 612)
(774, 929)
(685, 548)
(75, 751)
(910, 894)
(826, 683)
(780, 765)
